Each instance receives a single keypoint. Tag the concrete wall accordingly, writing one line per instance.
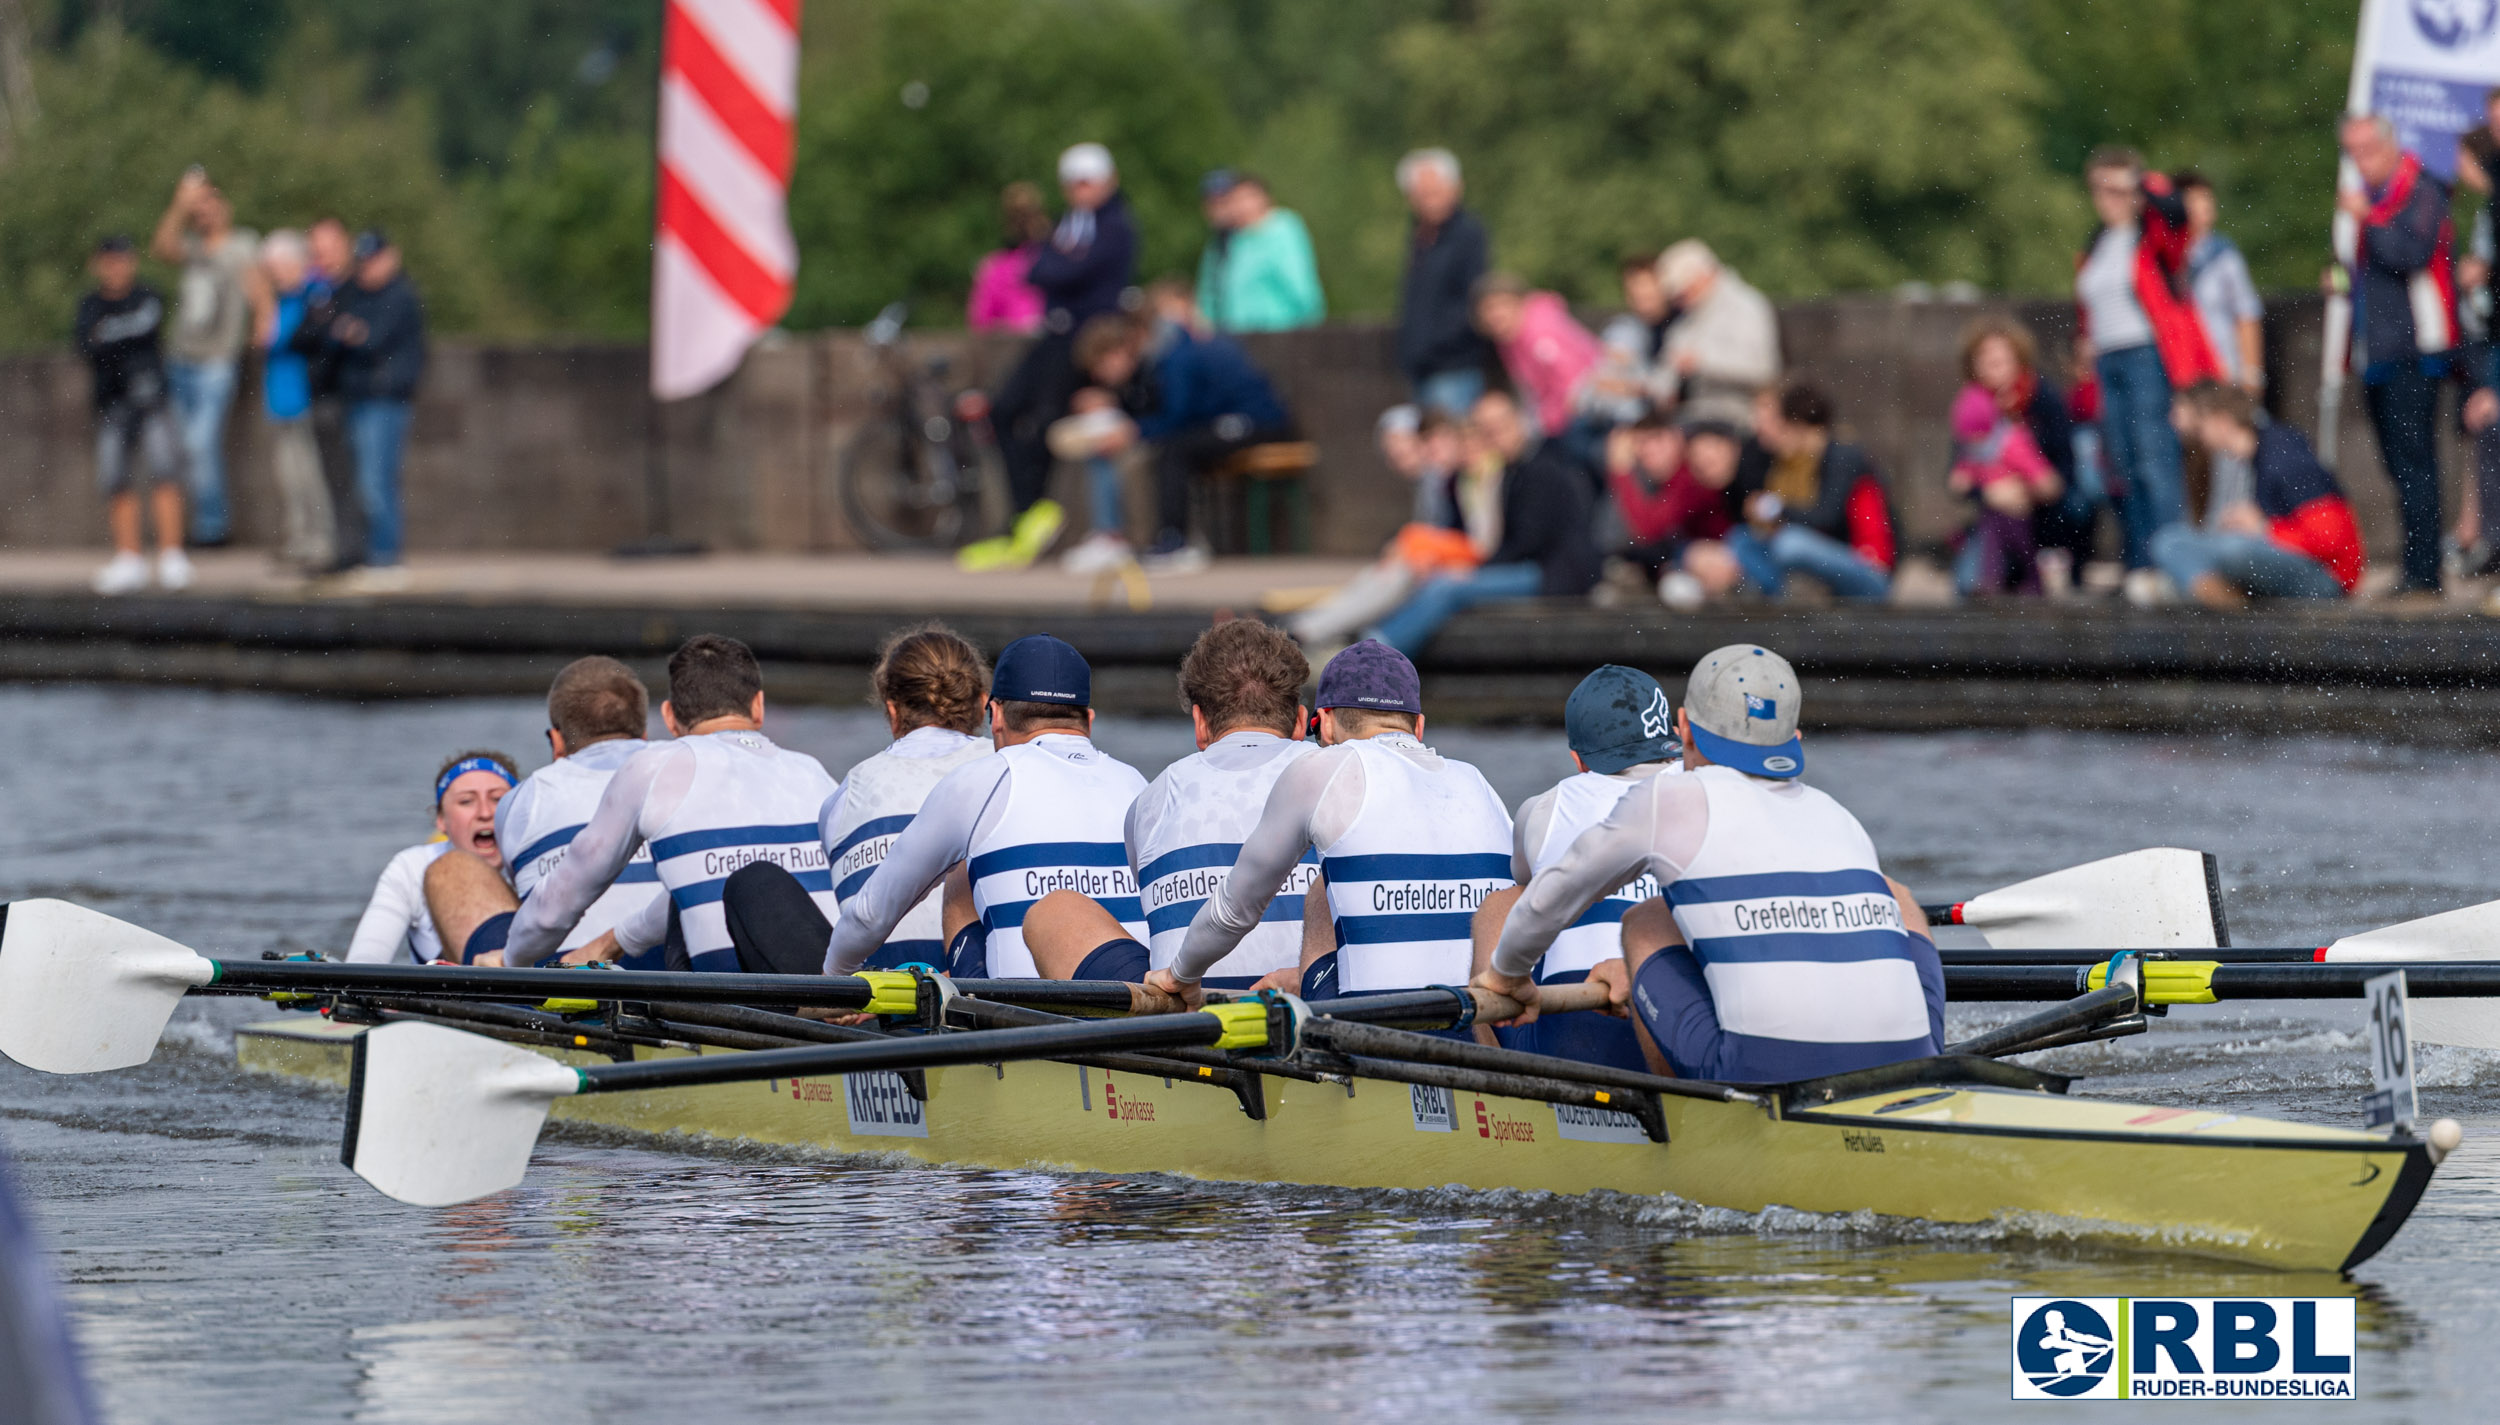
(553, 446)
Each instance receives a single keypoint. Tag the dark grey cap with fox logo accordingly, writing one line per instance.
(1619, 717)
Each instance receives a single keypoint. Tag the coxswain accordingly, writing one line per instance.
(718, 797)
(1042, 812)
(396, 927)
(1242, 681)
(1780, 949)
(932, 683)
(597, 712)
(1621, 731)
(1411, 844)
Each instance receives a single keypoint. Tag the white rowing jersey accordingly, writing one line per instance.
(1426, 847)
(868, 812)
(1027, 820)
(396, 928)
(1185, 833)
(705, 805)
(536, 824)
(1575, 804)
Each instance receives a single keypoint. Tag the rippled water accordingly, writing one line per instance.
(223, 1267)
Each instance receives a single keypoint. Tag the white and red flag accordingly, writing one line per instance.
(723, 262)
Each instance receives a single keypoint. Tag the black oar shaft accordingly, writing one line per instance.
(2080, 1013)
(462, 982)
(926, 1051)
(2282, 956)
(2313, 981)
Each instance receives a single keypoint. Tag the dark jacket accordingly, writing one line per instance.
(1200, 379)
(1852, 503)
(388, 363)
(2161, 286)
(324, 358)
(119, 337)
(2406, 258)
(1082, 273)
(2052, 429)
(1436, 316)
(1546, 506)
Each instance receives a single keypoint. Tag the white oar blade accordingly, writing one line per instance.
(435, 1116)
(81, 992)
(2161, 898)
(2472, 933)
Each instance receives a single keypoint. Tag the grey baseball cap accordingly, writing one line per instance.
(1742, 704)
(1618, 717)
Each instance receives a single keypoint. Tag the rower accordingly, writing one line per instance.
(1243, 682)
(1621, 730)
(1043, 812)
(720, 796)
(931, 682)
(1411, 844)
(1780, 951)
(597, 711)
(396, 927)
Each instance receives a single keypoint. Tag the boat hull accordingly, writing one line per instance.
(2285, 1195)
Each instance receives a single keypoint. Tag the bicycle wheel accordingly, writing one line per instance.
(895, 496)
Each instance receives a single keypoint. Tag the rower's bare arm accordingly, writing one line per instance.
(605, 947)
(934, 844)
(1913, 919)
(1484, 932)
(957, 910)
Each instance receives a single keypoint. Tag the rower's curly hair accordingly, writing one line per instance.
(934, 676)
(1242, 673)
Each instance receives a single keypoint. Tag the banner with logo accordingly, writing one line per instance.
(2277, 1348)
(2426, 65)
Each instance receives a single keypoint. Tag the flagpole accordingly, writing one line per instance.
(659, 540)
(2344, 237)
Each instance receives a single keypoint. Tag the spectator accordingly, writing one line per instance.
(1630, 379)
(2294, 539)
(2142, 338)
(1667, 505)
(1257, 273)
(1724, 343)
(1429, 449)
(1002, 301)
(209, 332)
(1438, 346)
(285, 288)
(119, 326)
(2403, 326)
(2000, 358)
(333, 271)
(2225, 295)
(1714, 454)
(2478, 154)
(1543, 347)
(1998, 466)
(1084, 271)
(1812, 505)
(381, 325)
(1545, 551)
(1097, 431)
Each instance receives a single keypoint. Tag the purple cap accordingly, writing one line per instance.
(1371, 674)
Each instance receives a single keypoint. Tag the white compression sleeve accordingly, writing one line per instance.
(938, 837)
(1658, 826)
(644, 792)
(1311, 804)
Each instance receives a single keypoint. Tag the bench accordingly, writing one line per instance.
(1258, 470)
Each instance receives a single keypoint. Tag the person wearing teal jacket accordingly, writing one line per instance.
(1257, 274)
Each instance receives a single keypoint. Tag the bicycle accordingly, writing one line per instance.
(924, 472)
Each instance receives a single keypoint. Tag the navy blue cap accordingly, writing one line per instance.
(1218, 182)
(1371, 674)
(1042, 669)
(115, 243)
(369, 242)
(1619, 717)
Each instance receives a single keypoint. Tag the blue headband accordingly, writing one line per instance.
(453, 773)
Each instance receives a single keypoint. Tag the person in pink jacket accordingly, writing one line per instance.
(1002, 301)
(1545, 349)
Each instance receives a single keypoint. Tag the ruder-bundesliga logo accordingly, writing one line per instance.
(2183, 1348)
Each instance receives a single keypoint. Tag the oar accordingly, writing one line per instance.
(81, 991)
(2468, 934)
(2208, 981)
(2161, 898)
(436, 1116)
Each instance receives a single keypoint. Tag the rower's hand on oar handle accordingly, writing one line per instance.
(603, 948)
(1616, 979)
(1515, 998)
(1166, 993)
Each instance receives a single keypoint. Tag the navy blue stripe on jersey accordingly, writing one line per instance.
(562, 836)
(1692, 891)
(670, 847)
(1880, 943)
(708, 892)
(1009, 915)
(1049, 853)
(874, 827)
(1178, 914)
(1417, 866)
(1192, 858)
(1403, 929)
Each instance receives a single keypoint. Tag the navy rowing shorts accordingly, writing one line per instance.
(968, 954)
(1121, 959)
(490, 935)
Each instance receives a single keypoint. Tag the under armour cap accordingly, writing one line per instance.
(1619, 717)
(1042, 669)
(1742, 704)
(1085, 163)
(1370, 674)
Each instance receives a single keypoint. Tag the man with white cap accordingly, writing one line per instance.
(1780, 950)
(1724, 343)
(1084, 271)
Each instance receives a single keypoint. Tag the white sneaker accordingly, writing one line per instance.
(378, 579)
(1188, 559)
(1098, 553)
(1680, 591)
(126, 574)
(173, 570)
(2149, 589)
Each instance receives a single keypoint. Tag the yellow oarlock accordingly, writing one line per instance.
(1245, 1024)
(891, 992)
(571, 1006)
(2168, 981)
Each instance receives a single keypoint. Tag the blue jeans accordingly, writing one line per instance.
(2143, 449)
(1454, 392)
(379, 431)
(1794, 549)
(203, 392)
(1104, 497)
(1445, 596)
(2252, 563)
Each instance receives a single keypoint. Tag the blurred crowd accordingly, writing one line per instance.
(339, 336)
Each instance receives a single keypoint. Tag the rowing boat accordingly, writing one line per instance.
(1952, 1141)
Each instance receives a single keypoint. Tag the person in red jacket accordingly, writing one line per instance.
(2142, 336)
(1670, 485)
(1812, 505)
(2295, 538)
